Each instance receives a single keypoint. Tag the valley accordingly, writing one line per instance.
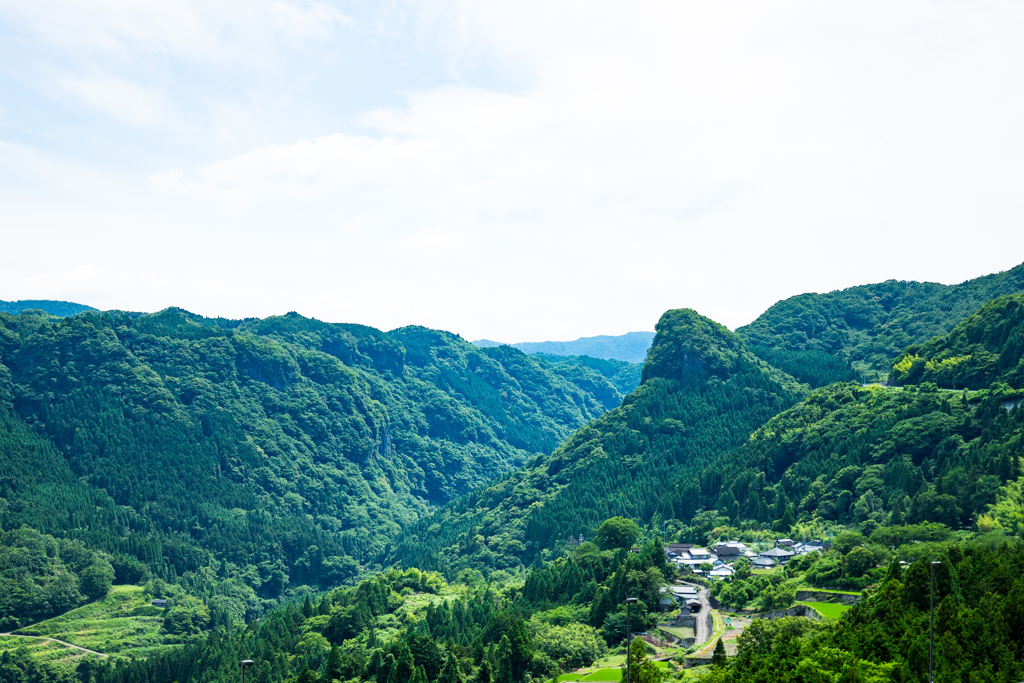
(335, 502)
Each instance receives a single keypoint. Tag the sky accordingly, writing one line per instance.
(517, 171)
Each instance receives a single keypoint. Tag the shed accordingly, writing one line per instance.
(159, 603)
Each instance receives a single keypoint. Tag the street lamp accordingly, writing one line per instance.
(931, 626)
(629, 634)
(244, 663)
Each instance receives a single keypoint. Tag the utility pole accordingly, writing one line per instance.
(244, 663)
(629, 637)
(931, 626)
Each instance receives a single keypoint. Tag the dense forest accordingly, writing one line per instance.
(60, 309)
(985, 348)
(339, 503)
(703, 393)
(869, 326)
(280, 452)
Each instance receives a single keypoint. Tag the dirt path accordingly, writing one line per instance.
(54, 640)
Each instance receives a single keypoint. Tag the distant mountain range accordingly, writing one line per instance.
(61, 309)
(630, 347)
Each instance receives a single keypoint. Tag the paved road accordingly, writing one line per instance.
(701, 633)
(54, 640)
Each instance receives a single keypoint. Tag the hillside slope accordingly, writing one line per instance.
(867, 457)
(869, 325)
(984, 348)
(703, 393)
(287, 445)
(60, 309)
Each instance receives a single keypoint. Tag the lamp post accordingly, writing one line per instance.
(244, 663)
(629, 635)
(931, 625)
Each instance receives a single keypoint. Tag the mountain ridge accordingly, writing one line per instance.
(630, 347)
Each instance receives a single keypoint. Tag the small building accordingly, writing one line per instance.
(723, 572)
(763, 563)
(700, 554)
(788, 542)
(159, 603)
(779, 555)
(694, 606)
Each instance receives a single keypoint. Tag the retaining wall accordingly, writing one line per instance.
(826, 596)
(794, 611)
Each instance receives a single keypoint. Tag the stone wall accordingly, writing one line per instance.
(825, 596)
(794, 611)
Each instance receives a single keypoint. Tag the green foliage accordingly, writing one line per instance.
(718, 657)
(979, 598)
(870, 325)
(247, 457)
(641, 669)
(41, 576)
(870, 457)
(623, 376)
(703, 394)
(617, 532)
(984, 348)
(59, 309)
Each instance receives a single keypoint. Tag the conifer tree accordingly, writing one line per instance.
(718, 656)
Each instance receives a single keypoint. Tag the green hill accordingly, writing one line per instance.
(870, 457)
(703, 393)
(867, 326)
(984, 348)
(277, 452)
(60, 309)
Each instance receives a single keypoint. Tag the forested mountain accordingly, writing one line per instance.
(279, 452)
(867, 326)
(987, 347)
(239, 459)
(625, 377)
(866, 457)
(60, 309)
(630, 347)
(703, 393)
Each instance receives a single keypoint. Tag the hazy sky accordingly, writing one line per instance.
(514, 170)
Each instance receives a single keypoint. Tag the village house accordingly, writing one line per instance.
(778, 555)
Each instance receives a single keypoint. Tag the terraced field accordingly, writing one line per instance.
(43, 650)
(832, 610)
(122, 621)
(602, 674)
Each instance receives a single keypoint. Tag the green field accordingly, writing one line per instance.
(678, 631)
(124, 620)
(609, 674)
(831, 610)
(62, 656)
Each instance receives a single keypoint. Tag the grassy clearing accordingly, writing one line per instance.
(604, 674)
(678, 631)
(122, 621)
(832, 610)
(62, 656)
(764, 572)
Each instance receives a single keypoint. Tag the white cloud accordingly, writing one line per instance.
(719, 156)
(119, 99)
